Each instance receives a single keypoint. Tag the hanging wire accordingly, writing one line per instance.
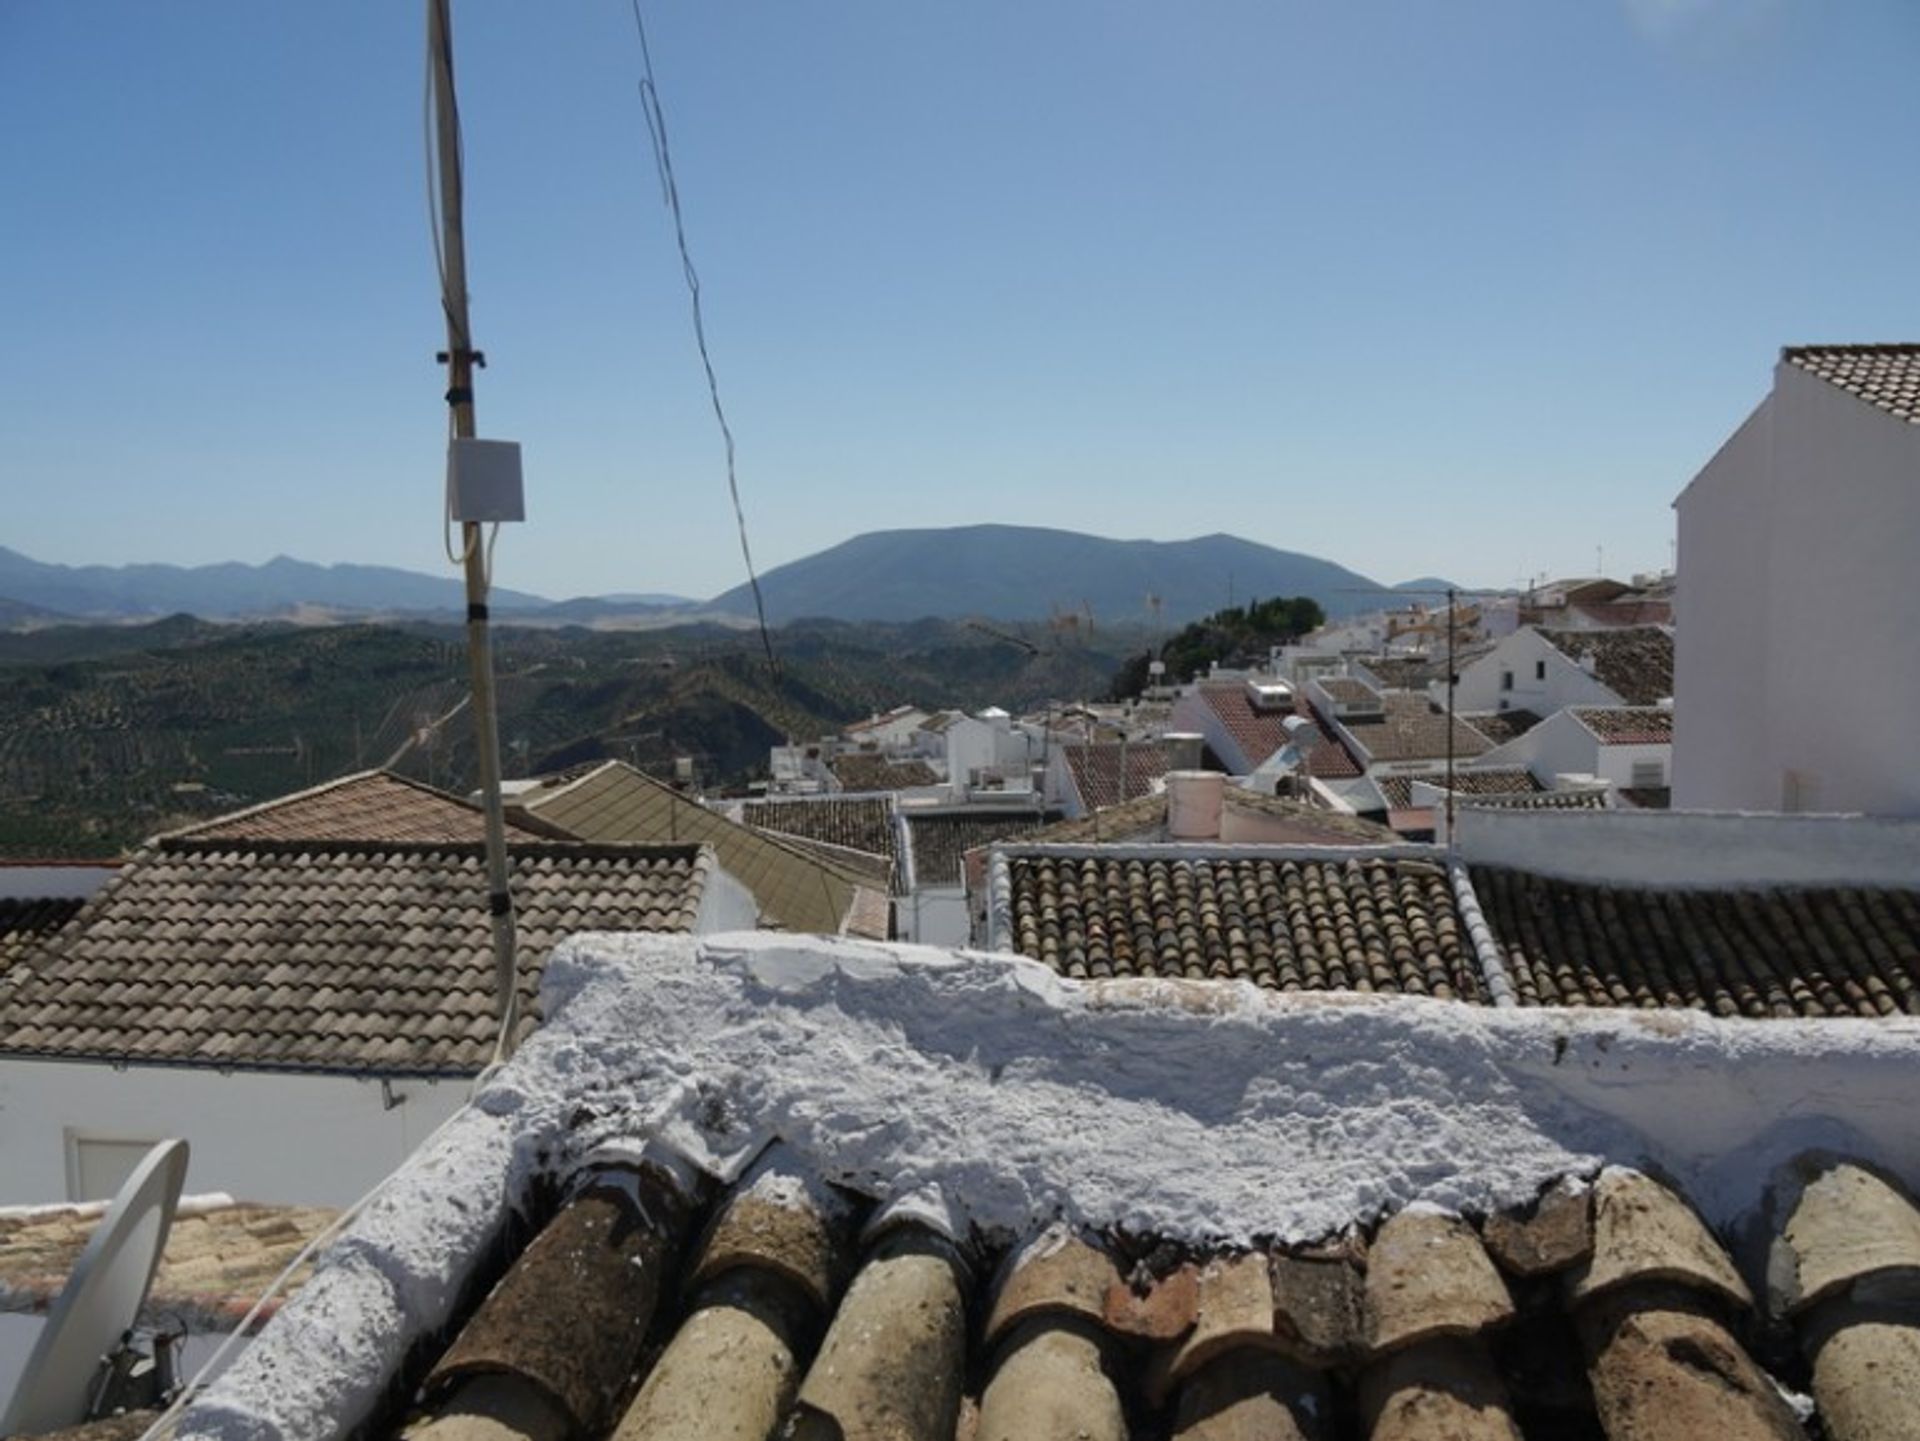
(670, 194)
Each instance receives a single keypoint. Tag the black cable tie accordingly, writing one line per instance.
(460, 395)
(475, 357)
(499, 903)
(477, 610)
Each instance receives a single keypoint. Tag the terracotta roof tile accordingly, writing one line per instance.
(1501, 726)
(367, 806)
(218, 1260)
(1260, 733)
(615, 804)
(1410, 729)
(1628, 725)
(1491, 781)
(1096, 770)
(941, 840)
(865, 824)
(329, 955)
(1885, 376)
(1635, 663)
(1765, 952)
(858, 771)
(27, 924)
(1413, 1330)
(1285, 923)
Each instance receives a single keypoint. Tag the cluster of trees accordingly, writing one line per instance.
(1240, 635)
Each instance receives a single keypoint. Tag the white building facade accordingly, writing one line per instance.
(1797, 684)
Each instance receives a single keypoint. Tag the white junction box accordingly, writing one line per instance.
(484, 482)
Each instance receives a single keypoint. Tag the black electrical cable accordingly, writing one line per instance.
(670, 193)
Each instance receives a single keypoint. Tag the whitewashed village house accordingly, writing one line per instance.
(303, 990)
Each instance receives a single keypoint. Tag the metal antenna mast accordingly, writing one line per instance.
(461, 359)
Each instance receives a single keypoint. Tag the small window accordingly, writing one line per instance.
(1539, 670)
(1506, 680)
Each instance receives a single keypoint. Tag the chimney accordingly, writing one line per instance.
(1193, 804)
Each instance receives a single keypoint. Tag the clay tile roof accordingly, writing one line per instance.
(1306, 923)
(219, 1259)
(794, 1323)
(1410, 729)
(1501, 726)
(1096, 770)
(941, 841)
(1493, 781)
(1260, 733)
(1349, 690)
(343, 956)
(614, 804)
(1834, 951)
(1144, 819)
(865, 824)
(367, 806)
(26, 924)
(1885, 376)
(859, 771)
(1635, 663)
(1405, 672)
(1628, 725)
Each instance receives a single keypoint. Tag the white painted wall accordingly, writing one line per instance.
(51, 883)
(298, 1139)
(1678, 849)
(1799, 532)
(1522, 654)
(726, 905)
(935, 916)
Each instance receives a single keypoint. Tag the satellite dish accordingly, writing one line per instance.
(101, 1299)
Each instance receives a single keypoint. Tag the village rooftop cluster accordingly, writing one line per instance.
(1529, 866)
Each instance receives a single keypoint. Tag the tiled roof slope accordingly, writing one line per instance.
(941, 841)
(1405, 672)
(1286, 923)
(1635, 663)
(340, 956)
(1260, 733)
(860, 772)
(615, 804)
(1097, 774)
(1885, 376)
(367, 806)
(1771, 952)
(1628, 725)
(1501, 726)
(1412, 729)
(865, 824)
(26, 924)
(1602, 1310)
(1492, 781)
(1145, 819)
(218, 1259)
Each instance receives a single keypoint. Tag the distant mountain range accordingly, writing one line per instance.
(1024, 572)
(230, 589)
(999, 571)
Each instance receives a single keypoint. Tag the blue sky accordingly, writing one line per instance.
(1466, 288)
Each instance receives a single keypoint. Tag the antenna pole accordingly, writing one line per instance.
(461, 359)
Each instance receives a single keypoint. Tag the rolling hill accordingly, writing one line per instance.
(1022, 572)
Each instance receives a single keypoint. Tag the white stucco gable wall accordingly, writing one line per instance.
(1720, 715)
(1523, 655)
(1843, 654)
